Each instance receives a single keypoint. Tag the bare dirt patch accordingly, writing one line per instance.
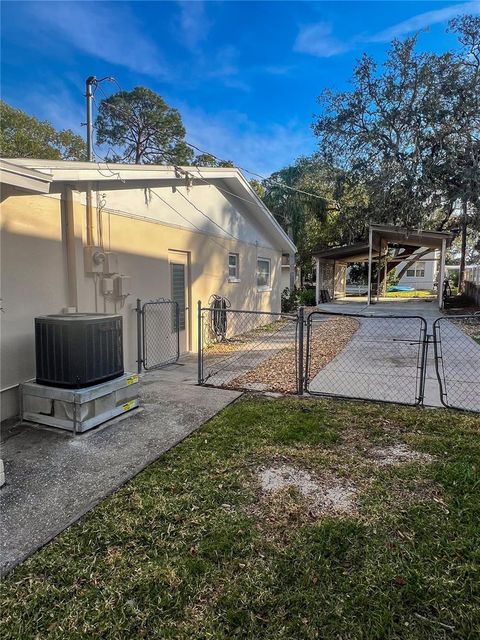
(279, 372)
(327, 494)
(397, 454)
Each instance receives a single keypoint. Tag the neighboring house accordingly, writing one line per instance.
(153, 231)
(422, 274)
(289, 272)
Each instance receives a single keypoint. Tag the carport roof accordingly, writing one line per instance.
(400, 235)
(389, 234)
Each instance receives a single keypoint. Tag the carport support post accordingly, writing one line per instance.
(370, 250)
(317, 281)
(300, 364)
(441, 274)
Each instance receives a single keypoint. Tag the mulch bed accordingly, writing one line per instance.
(278, 373)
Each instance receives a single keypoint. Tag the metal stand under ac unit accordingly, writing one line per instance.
(79, 410)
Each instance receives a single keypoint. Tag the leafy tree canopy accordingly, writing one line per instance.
(401, 147)
(207, 160)
(24, 136)
(140, 127)
(409, 131)
(334, 214)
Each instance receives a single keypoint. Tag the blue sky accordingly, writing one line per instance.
(244, 75)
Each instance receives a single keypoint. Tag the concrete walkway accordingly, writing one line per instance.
(53, 478)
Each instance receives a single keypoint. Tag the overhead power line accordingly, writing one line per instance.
(271, 180)
(192, 171)
(116, 174)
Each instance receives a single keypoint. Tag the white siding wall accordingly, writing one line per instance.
(430, 268)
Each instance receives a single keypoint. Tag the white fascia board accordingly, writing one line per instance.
(70, 170)
(24, 177)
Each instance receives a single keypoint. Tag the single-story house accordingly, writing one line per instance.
(89, 237)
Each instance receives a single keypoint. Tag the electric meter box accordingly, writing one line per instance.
(93, 258)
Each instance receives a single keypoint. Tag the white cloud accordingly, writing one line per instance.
(106, 31)
(193, 22)
(317, 40)
(423, 20)
(231, 135)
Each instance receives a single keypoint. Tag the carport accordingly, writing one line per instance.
(331, 264)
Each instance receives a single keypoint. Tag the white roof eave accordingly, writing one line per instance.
(74, 172)
(23, 177)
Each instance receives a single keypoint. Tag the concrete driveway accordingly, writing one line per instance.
(53, 478)
(381, 361)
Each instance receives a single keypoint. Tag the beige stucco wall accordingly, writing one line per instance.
(34, 272)
(33, 282)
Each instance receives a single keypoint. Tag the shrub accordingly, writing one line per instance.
(306, 297)
(289, 300)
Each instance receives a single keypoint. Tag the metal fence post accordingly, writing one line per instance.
(423, 365)
(200, 341)
(300, 364)
(138, 310)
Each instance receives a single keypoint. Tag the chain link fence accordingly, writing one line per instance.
(249, 350)
(358, 356)
(457, 360)
(158, 333)
(365, 357)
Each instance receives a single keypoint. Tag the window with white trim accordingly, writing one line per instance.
(233, 267)
(417, 271)
(263, 273)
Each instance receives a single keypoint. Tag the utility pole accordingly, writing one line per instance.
(89, 83)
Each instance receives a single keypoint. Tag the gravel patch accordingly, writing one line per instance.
(322, 495)
(398, 454)
(279, 372)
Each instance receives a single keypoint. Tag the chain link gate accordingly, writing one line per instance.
(158, 333)
(365, 357)
(250, 350)
(457, 361)
(382, 358)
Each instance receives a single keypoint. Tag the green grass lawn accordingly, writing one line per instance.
(193, 549)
